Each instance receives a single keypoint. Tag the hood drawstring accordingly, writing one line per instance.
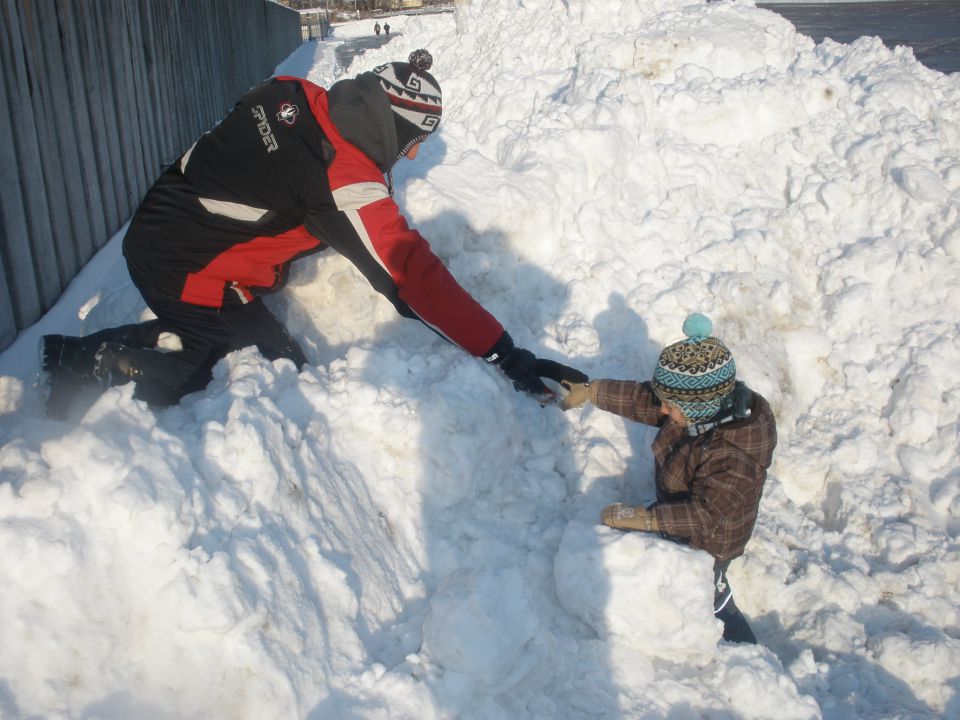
(390, 182)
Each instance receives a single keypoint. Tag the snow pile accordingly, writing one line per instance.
(463, 632)
(610, 580)
(394, 533)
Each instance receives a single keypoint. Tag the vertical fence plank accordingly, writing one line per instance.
(169, 114)
(54, 261)
(100, 120)
(92, 233)
(8, 325)
(31, 261)
(196, 66)
(142, 97)
(20, 297)
(100, 76)
(71, 236)
(126, 105)
(168, 18)
(151, 39)
(219, 14)
(62, 165)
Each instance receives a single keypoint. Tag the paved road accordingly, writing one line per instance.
(349, 49)
(930, 27)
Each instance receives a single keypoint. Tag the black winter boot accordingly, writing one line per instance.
(68, 367)
(114, 364)
(62, 353)
(69, 364)
(162, 378)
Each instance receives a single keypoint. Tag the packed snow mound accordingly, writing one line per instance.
(393, 532)
(633, 589)
(463, 630)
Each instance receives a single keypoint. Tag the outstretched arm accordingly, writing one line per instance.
(627, 398)
(398, 262)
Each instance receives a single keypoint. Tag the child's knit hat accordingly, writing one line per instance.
(414, 96)
(696, 374)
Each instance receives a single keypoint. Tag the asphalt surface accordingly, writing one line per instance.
(930, 27)
(349, 49)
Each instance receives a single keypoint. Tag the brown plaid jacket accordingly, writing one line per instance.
(708, 486)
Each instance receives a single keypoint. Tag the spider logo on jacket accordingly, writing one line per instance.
(288, 113)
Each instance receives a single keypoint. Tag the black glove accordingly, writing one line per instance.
(520, 366)
(559, 373)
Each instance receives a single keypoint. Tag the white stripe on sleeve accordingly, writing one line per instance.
(358, 195)
(364, 236)
(237, 211)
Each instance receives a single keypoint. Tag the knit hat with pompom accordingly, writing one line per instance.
(696, 374)
(414, 96)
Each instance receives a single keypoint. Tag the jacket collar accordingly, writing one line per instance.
(705, 427)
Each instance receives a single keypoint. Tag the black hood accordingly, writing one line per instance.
(361, 113)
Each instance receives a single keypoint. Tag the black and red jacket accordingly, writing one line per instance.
(291, 170)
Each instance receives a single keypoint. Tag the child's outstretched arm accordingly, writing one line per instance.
(627, 398)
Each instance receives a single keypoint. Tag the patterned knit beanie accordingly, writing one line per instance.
(414, 97)
(696, 374)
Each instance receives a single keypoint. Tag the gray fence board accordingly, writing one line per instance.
(96, 88)
(8, 326)
(54, 258)
(31, 262)
(99, 96)
(92, 224)
(141, 95)
(14, 258)
(125, 108)
(62, 170)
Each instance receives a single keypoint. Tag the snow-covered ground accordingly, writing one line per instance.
(395, 533)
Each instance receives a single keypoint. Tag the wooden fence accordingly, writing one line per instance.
(97, 98)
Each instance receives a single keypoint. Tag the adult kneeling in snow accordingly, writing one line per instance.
(292, 170)
(715, 443)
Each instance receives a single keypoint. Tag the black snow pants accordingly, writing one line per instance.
(206, 336)
(735, 626)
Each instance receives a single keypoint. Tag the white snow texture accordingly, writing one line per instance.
(395, 533)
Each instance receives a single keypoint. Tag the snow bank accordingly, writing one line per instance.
(655, 597)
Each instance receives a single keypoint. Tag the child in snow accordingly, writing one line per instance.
(712, 452)
(293, 170)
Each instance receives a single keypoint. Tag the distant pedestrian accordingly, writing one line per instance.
(386, 28)
(376, 28)
(711, 454)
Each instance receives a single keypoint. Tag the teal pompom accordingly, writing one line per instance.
(697, 326)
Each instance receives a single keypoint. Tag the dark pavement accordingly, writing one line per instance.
(349, 49)
(930, 27)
